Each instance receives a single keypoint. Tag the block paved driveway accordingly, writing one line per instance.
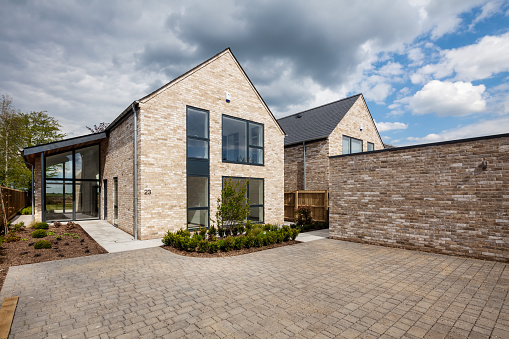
(321, 289)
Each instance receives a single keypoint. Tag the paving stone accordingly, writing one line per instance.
(326, 288)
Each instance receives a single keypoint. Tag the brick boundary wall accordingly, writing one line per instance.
(435, 197)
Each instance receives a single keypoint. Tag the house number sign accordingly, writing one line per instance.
(148, 192)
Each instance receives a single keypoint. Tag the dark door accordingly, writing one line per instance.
(105, 185)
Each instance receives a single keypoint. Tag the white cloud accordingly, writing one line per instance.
(448, 99)
(388, 126)
(488, 9)
(481, 128)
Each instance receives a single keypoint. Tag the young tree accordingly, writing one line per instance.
(98, 128)
(232, 205)
(11, 136)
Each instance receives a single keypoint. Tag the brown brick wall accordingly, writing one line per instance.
(434, 198)
(294, 168)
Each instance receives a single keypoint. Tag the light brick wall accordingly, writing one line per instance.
(350, 126)
(117, 161)
(162, 145)
(433, 198)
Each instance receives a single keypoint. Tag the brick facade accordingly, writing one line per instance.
(318, 151)
(435, 198)
(162, 148)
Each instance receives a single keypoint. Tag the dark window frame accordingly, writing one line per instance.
(250, 205)
(350, 141)
(207, 139)
(247, 145)
(372, 145)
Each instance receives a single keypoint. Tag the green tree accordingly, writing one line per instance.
(232, 205)
(11, 137)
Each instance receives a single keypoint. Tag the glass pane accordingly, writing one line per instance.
(197, 219)
(59, 166)
(58, 201)
(87, 163)
(346, 145)
(256, 214)
(115, 201)
(256, 191)
(371, 146)
(234, 140)
(256, 156)
(197, 148)
(255, 135)
(87, 199)
(240, 181)
(197, 192)
(356, 146)
(197, 123)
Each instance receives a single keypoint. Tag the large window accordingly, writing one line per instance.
(72, 185)
(254, 194)
(351, 145)
(242, 141)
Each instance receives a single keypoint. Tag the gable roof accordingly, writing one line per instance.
(316, 123)
(146, 98)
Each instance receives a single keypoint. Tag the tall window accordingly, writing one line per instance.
(351, 145)
(254, 194)
(115, 201)
(242, 141)
(72, 184)
(371, 146)
(197, 168)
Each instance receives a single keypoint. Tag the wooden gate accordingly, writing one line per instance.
(317, 201)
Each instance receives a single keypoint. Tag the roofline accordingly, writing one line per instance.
(63, 143)
(307, 141)
(373, 120)
(330, 103)
(439, 143)
(122, 116)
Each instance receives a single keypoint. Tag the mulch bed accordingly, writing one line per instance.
(22, 252)
(229, 253)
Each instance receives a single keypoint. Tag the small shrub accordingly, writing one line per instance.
(221, 231)
(221, 245)
(17, 227)
(212, 231)
(33, 224)
(57, 224)
(229, 243)
(213, 247)
(12, 237)
(203, 246)
(249, 241)
(238, 243)
(182, 243)
(193, 243)
(248, 226)
(303, 215)
(258, 240)
(295, 233)
(257, 229)
(70, 225)
(168, 239)
(42, 244)
(39, 234)
(1, 240)
(51, 233)
(203, 232)
(271, 237)
(58, 237)
(240, 229)
(41, 226)
(26, 210)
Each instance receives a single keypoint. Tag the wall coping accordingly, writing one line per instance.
(457, 141)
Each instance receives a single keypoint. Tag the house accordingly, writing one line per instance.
(341, 127)
(160, 165)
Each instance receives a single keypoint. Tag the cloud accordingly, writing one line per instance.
(478, 129)
(473, 62)
(448, 99)
(388, 126)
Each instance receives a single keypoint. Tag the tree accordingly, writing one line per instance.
(232, 205)
(40, 128)
(98, 128)
(11, 136)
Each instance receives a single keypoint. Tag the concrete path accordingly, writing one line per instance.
(113, 239)
(313, 235)
(319, 289)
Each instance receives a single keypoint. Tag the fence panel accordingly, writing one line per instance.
(13, 201)
(318, 201)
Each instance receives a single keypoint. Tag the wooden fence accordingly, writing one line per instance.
(14, 201)
(318, 201)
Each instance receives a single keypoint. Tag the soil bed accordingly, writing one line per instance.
(75, 242)
(229, 253)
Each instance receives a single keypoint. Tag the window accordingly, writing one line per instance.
(197, 133)
(255, 196)
(242, 141)
(197, 202)
(371, 146)
(115, 201)
(351, 145)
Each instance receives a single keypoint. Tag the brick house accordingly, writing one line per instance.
(341, 127)
(161, 163)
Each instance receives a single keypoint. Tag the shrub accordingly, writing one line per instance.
(41, 226)
(249, 241)
(229, 243)
(26, 210)
(182, 242)
(257, 229)
(238, 243)
(12, 237)
(203, 246)
(193, 243)
(212, 231)
(221, 245)
(240, 229)
(42, 244)
(203, 232)
(17, 227)
(169, 239)
(221, 231)
(213, 247)
(70, 225)
(39, 233)
(58, 237)
(271, 237)
(295, 233)
(197, 236)
(258, 240)
(303, 215)
(57, 224)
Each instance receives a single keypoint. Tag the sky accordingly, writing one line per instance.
(430, 70)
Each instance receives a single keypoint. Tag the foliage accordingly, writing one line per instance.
(42, 244)
(26, 210)
(57, 224)
(33, 223)
(12, 237)
(39, 234)
(41, 226)
(229, 244)
(203, 246)
(70, 225)
(303, 215)
(213, 246)
(232, 205)
(58, 237)
(98, 128)
(17, 227)
(1, 240)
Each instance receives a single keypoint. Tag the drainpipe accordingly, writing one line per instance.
(32, 199)
(304, 153)
(135, 173)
